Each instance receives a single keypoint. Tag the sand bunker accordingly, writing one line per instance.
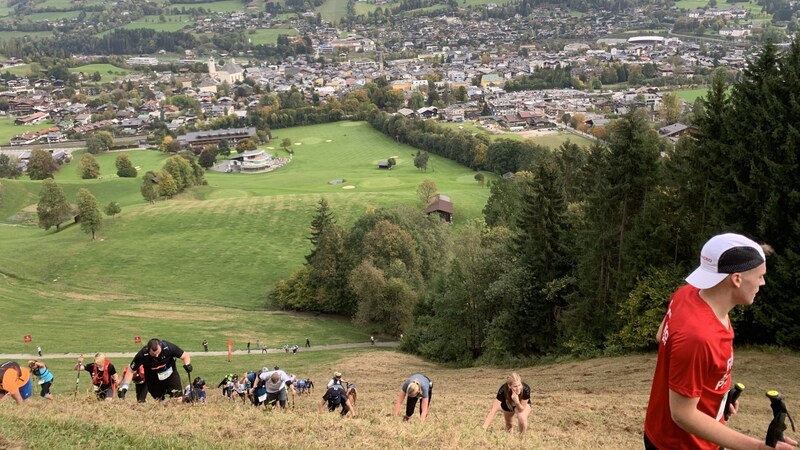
(349, 186)
(270, 148)
(298, 143)
(328, 140)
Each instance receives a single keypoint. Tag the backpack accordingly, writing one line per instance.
(7, 366)
(105, 379)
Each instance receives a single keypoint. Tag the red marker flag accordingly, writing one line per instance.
(230, 349)
(137, 339)
(27, 338)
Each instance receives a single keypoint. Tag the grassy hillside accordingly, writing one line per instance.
(219, 246)
(595, 404)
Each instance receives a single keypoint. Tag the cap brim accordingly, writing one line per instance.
(703, 279)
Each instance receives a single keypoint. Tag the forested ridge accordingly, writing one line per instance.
(579, 252)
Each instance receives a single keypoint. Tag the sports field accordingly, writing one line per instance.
(108, 72)
(269, 36)
(690, 95)
(219, 246)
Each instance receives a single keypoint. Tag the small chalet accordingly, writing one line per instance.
(676, 130)
(384, 165)
(441, 205)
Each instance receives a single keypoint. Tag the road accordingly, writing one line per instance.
(197, 354)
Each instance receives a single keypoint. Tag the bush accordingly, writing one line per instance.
(644, 308)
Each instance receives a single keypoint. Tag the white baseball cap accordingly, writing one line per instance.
(723, 255)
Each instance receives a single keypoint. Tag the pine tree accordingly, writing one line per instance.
(89, 211)
(323, 218)
(541, 261)
(52, 208)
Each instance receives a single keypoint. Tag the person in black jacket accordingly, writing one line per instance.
(160, 371)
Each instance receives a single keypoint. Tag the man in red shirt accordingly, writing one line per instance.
(695, 351)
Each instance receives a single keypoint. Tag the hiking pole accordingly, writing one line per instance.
(733, 396)
(192, 393)
(78, 380)
(779, 415)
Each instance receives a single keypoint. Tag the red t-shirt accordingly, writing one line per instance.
(695, 358)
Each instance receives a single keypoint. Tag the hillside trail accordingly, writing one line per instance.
(197, 354)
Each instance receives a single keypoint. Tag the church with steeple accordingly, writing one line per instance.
(230, 72)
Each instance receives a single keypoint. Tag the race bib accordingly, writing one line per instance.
(262, 398)
(165, 374)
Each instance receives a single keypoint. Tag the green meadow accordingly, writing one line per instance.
(221, 6)
(269, 35)
(66, 4)
(333, 10)
(215, 251)
(173, 23)
(25, 34)
(690, 95)
(53, 15)
(108, 72)
(9, 130)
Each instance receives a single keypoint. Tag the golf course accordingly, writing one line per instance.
(205, 260)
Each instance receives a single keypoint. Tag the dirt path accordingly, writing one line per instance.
(197, 354)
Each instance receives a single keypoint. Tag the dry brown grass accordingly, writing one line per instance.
(587, 405)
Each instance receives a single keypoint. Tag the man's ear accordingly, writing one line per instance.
(736, 279)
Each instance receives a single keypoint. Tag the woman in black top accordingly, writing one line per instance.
(514, 396)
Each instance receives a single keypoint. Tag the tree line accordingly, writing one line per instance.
(579, 251)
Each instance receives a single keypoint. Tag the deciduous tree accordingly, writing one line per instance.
(88, 167)
(112, 209)
(124, 166)
(149, 187)
(421, 160)
(41, 165)
(53, 208)
(90, 217)
(426, 190)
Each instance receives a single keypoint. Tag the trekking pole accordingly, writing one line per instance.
(733, 396)
(78, 380)
(779, 414)
(192, 393)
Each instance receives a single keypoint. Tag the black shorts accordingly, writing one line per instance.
(159, 389)
(332, 407)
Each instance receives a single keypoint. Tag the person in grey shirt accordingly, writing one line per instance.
(416, 387)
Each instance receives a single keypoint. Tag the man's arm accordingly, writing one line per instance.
(686, 415)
